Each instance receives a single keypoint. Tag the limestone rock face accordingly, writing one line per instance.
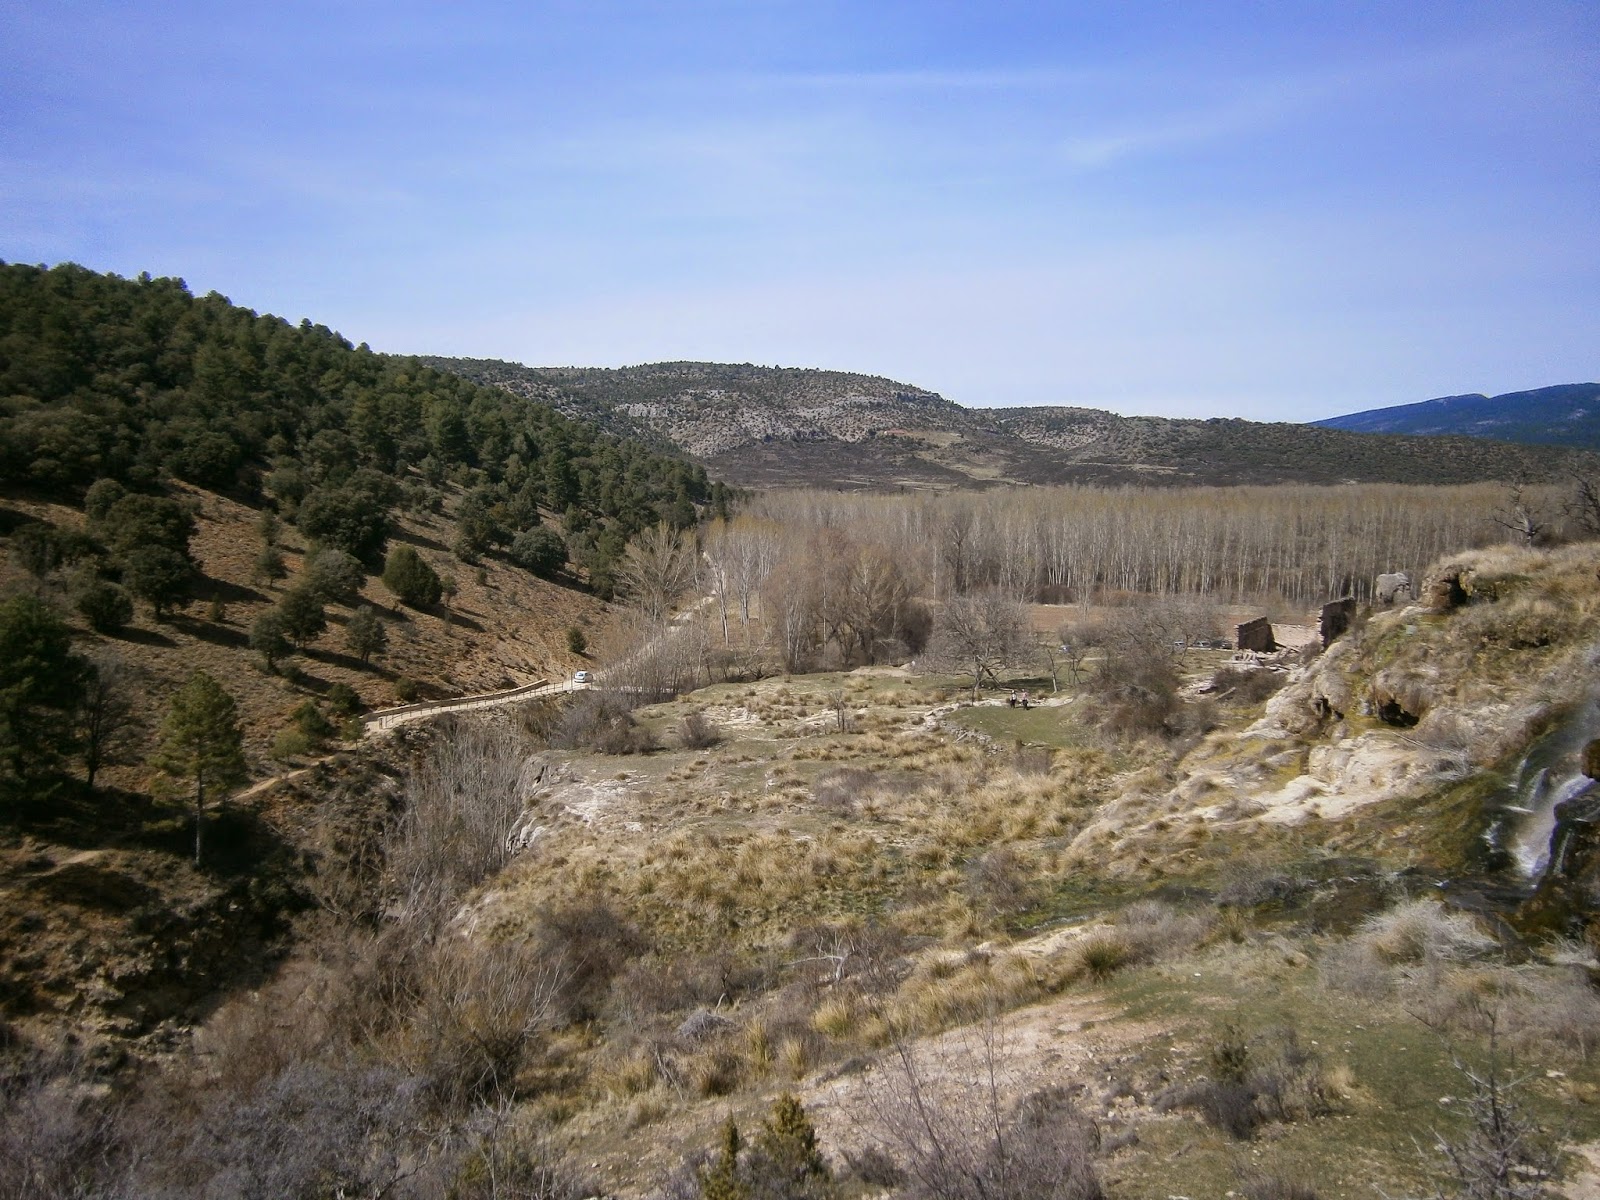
(1442, 590)
(1392, 588)
(1318, 694)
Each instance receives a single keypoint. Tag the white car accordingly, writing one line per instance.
(580, 677)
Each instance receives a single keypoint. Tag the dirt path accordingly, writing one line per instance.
(385, 719)
(388, 718)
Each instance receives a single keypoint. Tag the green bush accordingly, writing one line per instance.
(353, 518)
(107, 607)
(411, 580)
(309, 720)
(343, 700)
(269, 566)
(291, 743)
(334, 575)
(102, 494)
(158, 575)
(37, 547)
(302, 614)
(539, 550)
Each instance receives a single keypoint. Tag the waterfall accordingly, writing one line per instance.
(1547, 776)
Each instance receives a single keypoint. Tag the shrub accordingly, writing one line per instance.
(292, 742)
(343, 700)
(413, 581)
(540, 550)
(696, 732)
(1422, 930)
(1504, 1154)
(269, 566)
(1136, 692)
(476, 1019)
(999, 883)
(785, 1155)
(349, 518)
(334, 575)
(1154, 929)
(1101, 955)
(1246, 685)
(406, 689)
(503, 1161)
(158, 575)
(459, 806)
(840, 790)
(601, 721)
(107, 607)
(98, 500)
(309, 719)
(1276, 1080)
(37, 546)
(595, 943)
(966, 1146)
(577, 643)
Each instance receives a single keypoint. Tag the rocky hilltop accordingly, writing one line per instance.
(781, 426)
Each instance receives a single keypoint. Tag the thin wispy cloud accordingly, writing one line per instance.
(1228, 210)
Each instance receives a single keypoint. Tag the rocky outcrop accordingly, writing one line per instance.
(1392, 588)
(1442, 590)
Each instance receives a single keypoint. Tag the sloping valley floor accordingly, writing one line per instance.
(1265, 957)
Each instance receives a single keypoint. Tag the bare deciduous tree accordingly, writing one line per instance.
(460, 806)
(1583, 507)
(657, 569)
(980, 635)
(1522, 517)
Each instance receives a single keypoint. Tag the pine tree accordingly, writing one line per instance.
(721, 1181)
(41, 685)
(788, 1140)
(201, 741)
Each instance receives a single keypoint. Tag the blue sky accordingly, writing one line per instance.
(1275, 210)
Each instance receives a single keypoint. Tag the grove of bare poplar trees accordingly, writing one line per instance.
(850, 578)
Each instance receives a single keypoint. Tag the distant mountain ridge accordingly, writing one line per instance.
(784, 426)
(1567, 414)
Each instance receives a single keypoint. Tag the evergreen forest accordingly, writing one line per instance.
(133, 381)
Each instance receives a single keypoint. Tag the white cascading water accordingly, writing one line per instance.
(1547, 776)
